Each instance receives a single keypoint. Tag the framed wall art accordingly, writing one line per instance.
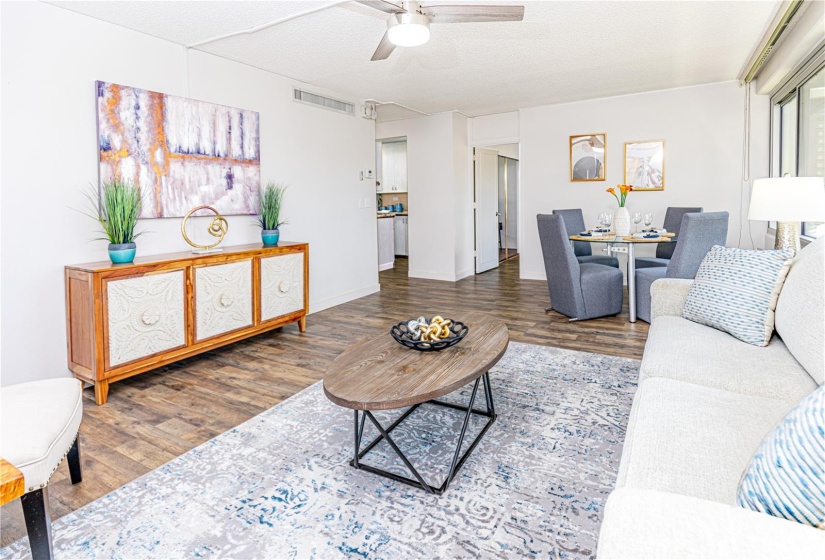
(588, 153)
(180, 152)
(644, 165)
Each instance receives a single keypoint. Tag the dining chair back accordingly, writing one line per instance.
(573, 220)
(580, 291)
(697, 234)
(673, 223)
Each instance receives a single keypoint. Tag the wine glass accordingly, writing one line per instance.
(648, 220)
(604, 220)
(637, 219)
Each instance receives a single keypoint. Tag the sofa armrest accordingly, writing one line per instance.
(668, 297)
(651, 524)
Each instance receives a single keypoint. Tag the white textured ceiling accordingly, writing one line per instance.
(562, 51)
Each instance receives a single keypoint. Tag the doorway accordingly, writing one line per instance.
(496, 175)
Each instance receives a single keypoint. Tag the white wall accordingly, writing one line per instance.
(463, 198)
(51, 58)
(501, 128)
(703, 130)
(439, 222)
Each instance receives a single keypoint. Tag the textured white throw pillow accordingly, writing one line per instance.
(735, 291)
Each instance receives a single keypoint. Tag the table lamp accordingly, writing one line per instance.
(789, 201)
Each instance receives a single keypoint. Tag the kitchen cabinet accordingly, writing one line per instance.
(393, 176)
(386, 254)
(400, 235)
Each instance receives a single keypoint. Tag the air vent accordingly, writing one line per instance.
(323, 102)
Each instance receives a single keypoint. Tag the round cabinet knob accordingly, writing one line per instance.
(284, 286)
(150, 317)
(226, 300)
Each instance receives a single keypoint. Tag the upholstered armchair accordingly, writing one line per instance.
(573, 225)
(673, 224)
(698, 233)
(578, 290)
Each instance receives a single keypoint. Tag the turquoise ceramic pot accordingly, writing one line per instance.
(270, 236)
(122, 252)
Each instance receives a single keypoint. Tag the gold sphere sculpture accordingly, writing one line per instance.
(217, 228)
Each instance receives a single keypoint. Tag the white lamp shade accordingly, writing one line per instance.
(408, 30)
(788, 199)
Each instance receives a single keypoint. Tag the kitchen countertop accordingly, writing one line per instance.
(390, 214)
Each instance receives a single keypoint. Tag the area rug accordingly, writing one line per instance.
(280, 486)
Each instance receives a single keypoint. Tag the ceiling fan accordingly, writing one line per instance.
(409, 22)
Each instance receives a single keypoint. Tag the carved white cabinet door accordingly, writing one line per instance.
(145, 316)
(223, 298)
(282, 285)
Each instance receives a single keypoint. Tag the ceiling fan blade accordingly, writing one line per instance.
(384, 49)
(470, 14)
(383, 5)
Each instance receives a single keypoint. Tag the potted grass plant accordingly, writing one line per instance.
(117, 208)
(269, 217)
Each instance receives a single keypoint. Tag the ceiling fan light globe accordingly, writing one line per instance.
(408, 30)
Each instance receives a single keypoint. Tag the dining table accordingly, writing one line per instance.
(617, 244)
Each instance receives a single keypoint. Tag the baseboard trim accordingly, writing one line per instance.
(386, 266)
(316, 306)
(427, 275)
(464, 274)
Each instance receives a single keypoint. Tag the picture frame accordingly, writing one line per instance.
(588, 157)
(180, 152)
(644, 165)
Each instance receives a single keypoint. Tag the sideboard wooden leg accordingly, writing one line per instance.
(302, 324)
(101, 391)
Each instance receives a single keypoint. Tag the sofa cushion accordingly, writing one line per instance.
(680, 349)
(693, 440)
(786, 477)
(736, 290)
(800, 311)
(646, 524)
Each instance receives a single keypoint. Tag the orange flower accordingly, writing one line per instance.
(611, 190)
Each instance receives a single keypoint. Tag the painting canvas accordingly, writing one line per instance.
(587, 157)
(180, 152)
(644, 165)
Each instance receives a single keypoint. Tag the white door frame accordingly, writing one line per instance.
(519, 187)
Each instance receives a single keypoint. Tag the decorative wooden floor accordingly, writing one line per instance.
(156, 416)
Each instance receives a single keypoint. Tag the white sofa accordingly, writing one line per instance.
(704, 403)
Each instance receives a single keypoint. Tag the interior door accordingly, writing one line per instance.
(486, 208)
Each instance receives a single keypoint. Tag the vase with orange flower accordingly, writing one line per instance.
(621, 218)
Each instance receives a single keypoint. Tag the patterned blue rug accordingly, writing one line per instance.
(280, 486)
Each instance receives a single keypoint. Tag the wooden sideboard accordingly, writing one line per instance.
(124, 319)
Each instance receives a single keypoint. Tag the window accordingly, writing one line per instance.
(799, 123)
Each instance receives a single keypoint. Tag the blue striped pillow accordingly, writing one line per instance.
(735, 291)
(786, 476)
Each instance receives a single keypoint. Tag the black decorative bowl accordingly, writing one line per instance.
(402, 335)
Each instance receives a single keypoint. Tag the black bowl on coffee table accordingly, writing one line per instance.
(401, 333)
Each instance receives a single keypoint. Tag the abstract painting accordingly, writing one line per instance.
(180, 152)
(644, 165)
(587, 157)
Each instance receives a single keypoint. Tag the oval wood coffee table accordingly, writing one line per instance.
(378, 373)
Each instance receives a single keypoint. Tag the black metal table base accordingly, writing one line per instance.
(458, 459)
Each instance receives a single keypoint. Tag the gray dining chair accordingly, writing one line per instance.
(574, 224)
(697, 234)
(578, 290)
(673, 224)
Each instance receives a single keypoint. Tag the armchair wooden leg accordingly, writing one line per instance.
(38, 523)
(75, 472)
